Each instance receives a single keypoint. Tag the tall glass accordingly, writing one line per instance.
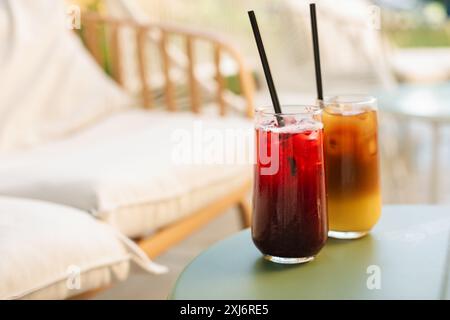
(289, 202)
(352, 165)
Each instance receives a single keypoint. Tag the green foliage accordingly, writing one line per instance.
(94, 5)
(422, 36)
(232, 83)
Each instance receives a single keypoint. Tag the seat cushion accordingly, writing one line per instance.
(138, 170)
(50, 251)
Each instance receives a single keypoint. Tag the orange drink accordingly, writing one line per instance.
(352, 165)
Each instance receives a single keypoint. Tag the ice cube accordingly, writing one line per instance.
(312, 135)
(372, 146)
(363, 116)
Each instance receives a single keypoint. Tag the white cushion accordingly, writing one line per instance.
(50, 85)
(124, 169)
(44, 247)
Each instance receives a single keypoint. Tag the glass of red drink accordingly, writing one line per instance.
(289, 202)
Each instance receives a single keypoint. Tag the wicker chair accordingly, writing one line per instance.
(104, 38)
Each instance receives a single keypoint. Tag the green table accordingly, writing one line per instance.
(409, 249)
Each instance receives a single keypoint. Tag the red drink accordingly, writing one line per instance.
(289, 220)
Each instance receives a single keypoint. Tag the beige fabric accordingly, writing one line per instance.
(127, 161)
(137, 220)
(50, 85)
(44, 247)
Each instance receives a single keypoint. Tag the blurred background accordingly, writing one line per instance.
(398, 51)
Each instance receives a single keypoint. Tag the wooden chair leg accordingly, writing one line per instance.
(245, 211)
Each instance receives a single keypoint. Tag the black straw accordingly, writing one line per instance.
(315, 38)
(265, 64)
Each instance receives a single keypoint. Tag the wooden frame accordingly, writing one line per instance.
(96, 26)
(101, 31)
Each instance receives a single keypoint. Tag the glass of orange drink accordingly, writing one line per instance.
(352, 165)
